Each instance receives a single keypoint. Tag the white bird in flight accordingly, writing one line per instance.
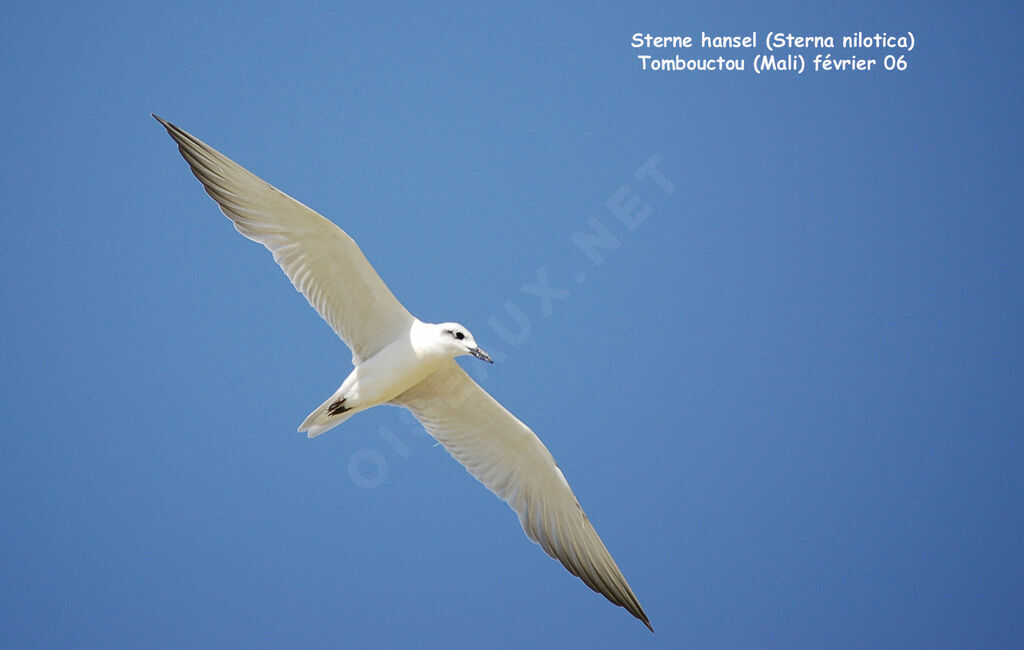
(403, 361)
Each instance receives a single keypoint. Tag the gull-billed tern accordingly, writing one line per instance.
(402, 361)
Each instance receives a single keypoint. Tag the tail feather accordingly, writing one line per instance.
(326, 416)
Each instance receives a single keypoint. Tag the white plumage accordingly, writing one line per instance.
(403, 361)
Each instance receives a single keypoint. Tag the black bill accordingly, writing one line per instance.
(480, 354)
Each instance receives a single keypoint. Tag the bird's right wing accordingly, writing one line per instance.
(320, 259)
(508, 458)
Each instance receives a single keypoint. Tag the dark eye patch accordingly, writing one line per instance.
(460, 335)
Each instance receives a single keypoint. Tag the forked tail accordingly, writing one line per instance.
(327, 416)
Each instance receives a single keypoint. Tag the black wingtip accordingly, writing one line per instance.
(172, 129)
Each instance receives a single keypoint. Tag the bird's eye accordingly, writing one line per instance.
(460, 335)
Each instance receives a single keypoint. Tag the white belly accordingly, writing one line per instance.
(386, 375)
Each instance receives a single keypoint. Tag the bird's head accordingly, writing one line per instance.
(457, 340)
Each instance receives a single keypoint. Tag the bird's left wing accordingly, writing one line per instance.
(507, 457)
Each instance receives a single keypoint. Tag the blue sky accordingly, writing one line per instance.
(789, 399)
